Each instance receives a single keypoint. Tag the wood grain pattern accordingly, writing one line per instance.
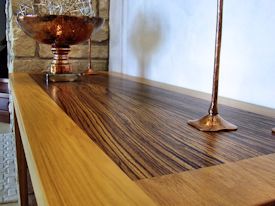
(65, 166)
(143, 128)
(266, 111)
(247, 182)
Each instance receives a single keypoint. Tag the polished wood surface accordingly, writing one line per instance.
(249, 107)
(143, 128)
(66, 167)
(247, 182)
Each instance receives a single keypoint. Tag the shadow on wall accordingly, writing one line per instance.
(146, 37)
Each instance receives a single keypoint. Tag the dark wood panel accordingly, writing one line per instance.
(4, 88)
(4, 116)
(31, 195)
(22, 165)
(144, 130)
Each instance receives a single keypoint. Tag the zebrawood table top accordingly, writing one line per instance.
(146, 143)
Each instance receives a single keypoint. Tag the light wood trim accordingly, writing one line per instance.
(66, 167)
(266, 111)
(247, 182)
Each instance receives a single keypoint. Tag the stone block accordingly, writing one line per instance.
(77, 51)
(94, 5)
(104, 9)
(102, 34)
(22, 45)
(45, 51)
(15, 5)
(41, 65)
(80, 65)
(34, 65)
(100, 64)
(82, 51)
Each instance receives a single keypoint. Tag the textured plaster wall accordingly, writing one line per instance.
(27, 55)
(174, 43)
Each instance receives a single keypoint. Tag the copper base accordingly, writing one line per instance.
(62, 77)
(89, 71)
(273, 130)
(60, 63)
(60, 69)
(212, 123)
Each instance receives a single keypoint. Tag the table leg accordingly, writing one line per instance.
(21, 165)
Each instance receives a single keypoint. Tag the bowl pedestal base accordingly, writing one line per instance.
(60, 68)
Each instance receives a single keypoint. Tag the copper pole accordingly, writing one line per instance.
(213, 121)
(90, 52)
(90, 70)
(213, 109)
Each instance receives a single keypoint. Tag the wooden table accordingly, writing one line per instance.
(106, 140)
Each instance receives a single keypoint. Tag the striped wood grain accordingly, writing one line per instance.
(143, 128)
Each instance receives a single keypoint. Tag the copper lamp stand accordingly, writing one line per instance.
(213, 122)
(90, 70)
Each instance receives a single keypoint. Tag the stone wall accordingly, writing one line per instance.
(25, 54)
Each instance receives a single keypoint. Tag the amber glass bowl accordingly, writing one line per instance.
(59, 30)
